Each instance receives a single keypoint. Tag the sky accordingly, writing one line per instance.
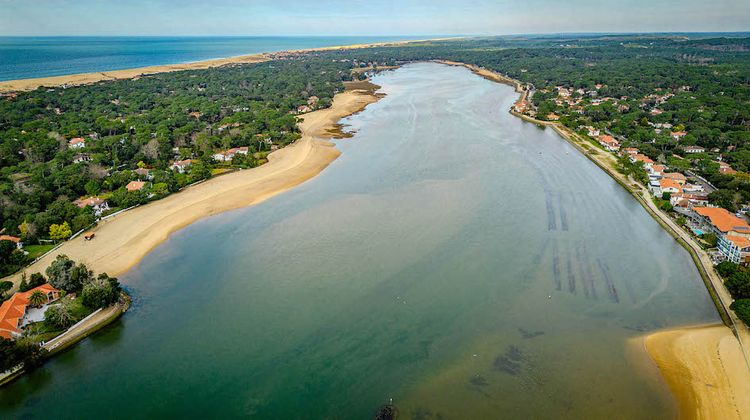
(371, 17)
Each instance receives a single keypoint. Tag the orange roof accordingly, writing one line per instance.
(10, 238)
(642, 158)
(669, 183)
(135, 186)
(13, 309)
(76, 140)
(658, 168)
(724, 220)
(674, 175)
(90, 201)
(740, 241)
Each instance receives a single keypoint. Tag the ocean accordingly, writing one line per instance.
(31, 57)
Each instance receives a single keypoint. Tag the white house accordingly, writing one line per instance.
(181, 165)
(99, 205)
(77, 143)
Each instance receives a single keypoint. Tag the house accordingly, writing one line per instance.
(720, 222)
(694, 149)
(143, 172)
(81, 157)
(77, 143)
(678, 134)
(14, 310)
(313, 100)
(553, 117)
(181, 165)
(195, 114)
(656, 112)
(99, 205)
(303, 109)
(630, 151)
(135, 185)
(725, 169)
(15, 239)
(688, 200)
(667, 185)
(647, 162)
(656, 170)
(735, 248)
(676, 176)
(609, 143)
(228, 155)
(593, 132)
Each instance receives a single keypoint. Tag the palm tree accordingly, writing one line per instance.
(37, 298)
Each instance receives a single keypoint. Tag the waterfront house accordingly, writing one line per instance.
(688, 200)
(735, 248)
(553, 117)
(135, 185)
(667, 185)
(630, 151)
(13, 311)
(720, 222)
(181, 165)
(656, 171)
(15, 239)
(609, 143)
(228, 155)
(647, 162)
(99, 205)
(77, 143)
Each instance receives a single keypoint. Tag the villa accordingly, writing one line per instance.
(99, 205)
(135, 185)
(228, 155)
(181, 165)
(77, 143)
(694, 149)
(609, 143)
(720, 222)
(15, 239)
(15, 314)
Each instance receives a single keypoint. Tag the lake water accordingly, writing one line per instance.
(455, 259)
(29, 57)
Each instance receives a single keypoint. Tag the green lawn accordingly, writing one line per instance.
(37, 250)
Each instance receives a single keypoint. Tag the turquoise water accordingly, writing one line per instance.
(29, 57)
(455, 259)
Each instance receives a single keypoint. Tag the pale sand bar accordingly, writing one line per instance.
(705, 370)
(123, 240)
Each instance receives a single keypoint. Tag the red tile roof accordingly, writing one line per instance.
(10, 238)
(724, 220)
(13, 309)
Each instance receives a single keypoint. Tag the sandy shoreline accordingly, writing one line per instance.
(21, 85)
(123, 240)
(705, 370)
(710, 356)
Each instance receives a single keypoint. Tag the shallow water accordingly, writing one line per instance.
(455, 259)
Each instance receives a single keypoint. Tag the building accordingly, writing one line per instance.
(99, 205)
(676, 176)
(15, 239)
(630, 151)
(228, 155)
(656, 171)
(553, 117)
(694, 149)
(81, 158)
(14, 310)
(725, 169)
(735, 248)
(181, 165)
(143, 172)
(135, 185)
(667, 185)
(678, 134)
(647, 162)
(720, 222)
(609, 143)
(77, 143)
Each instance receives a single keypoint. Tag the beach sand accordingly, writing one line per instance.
(123, 240)
(87, 78)
(705, 370)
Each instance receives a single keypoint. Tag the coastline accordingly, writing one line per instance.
(704, 369)
(21, 85)
(123, 240)
(705, 354)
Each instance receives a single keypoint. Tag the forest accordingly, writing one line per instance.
(58, 145)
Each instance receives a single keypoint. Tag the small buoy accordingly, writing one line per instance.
(549, 296)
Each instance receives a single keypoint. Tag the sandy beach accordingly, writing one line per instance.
(87, 78)
(705, 370)
(123, 240)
